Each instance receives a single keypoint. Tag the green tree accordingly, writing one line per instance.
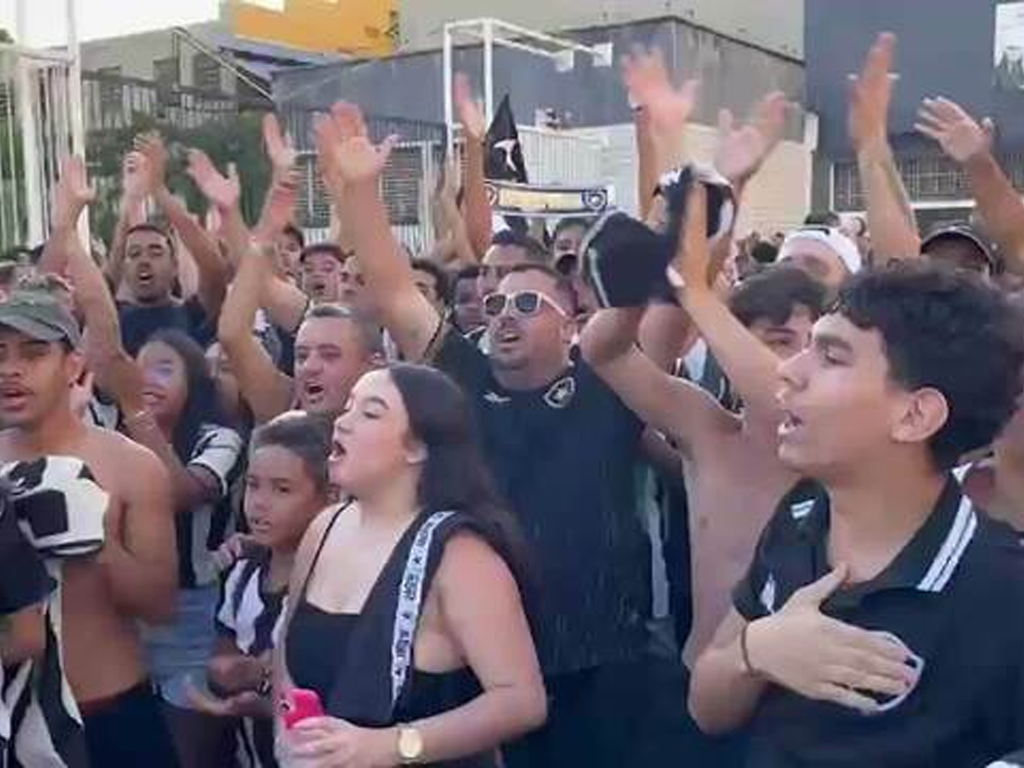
(236, 140)
(5, 36)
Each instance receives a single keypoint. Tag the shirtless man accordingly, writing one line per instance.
(730, 461)
(134, 575)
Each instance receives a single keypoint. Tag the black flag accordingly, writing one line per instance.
(504, 159)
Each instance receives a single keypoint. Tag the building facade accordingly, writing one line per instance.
(946, 48)
(596, 143)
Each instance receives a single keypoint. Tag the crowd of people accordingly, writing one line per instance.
(626, 493)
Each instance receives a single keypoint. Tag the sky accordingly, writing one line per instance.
(106, 18)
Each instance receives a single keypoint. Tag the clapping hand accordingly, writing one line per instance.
(646, 78)
(71, 194)
(344, 147)
(222, 191)
(471, 114)
(870, 94)
(742, 151)
(279, 150)
(151, 146)
(961, 137)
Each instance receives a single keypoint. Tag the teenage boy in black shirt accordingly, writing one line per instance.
(878, 623)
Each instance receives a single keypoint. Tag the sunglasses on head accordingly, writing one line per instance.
(522, 303)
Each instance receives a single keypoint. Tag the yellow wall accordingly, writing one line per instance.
(359, 27)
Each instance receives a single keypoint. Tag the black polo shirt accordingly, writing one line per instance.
(953, 595)
(565, 457)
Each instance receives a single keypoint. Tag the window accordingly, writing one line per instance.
(111, 92)
(166, 73)
(206, 73)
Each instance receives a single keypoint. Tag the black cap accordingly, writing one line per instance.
(40, 315)
(964, 232)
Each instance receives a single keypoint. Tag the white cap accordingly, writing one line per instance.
(833, 239)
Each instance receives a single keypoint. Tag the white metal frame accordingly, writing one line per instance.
(34, 66)
(494, 32)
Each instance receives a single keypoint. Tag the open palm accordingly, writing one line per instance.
(72, 193)
(222, 191)
(279, 149)
(472, 117)
(345, 149)
(742, 151)
(960, 135)
(871, 92)
(649, 86)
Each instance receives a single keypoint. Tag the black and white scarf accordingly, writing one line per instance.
(60, 509)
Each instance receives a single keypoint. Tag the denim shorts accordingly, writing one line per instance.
(178, 653)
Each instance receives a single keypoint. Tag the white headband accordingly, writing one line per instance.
(841, 245)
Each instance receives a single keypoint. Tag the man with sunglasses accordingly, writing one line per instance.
(563, 449)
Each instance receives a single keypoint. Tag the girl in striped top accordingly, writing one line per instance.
(286, 486)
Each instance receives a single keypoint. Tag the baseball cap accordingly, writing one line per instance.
(40, 315)
(833, 239)
(963, 232)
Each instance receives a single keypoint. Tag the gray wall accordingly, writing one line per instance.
(773, 24)
(945, 48)
(136, 53)
(410, 86)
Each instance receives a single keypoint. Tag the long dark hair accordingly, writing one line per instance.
(455, 476)
(202, 406)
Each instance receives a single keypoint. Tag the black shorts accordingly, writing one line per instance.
(129, 730)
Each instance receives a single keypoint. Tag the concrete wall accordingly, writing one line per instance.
(135, 54)
(776, 25)
(734, 76)
(945, 48)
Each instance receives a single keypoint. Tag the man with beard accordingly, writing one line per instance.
(148, 265)
(563, 448)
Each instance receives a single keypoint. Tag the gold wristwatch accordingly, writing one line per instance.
(410, 745)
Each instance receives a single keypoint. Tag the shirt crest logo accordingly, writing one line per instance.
(560, 394)
(768, 594)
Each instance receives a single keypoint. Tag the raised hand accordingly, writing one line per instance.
(279, 150)
(693, 258)
(71, 194)
(151, 146)
(646, 78)
(222, 191)
(742, 151)
(135, 177)
(471, 114)
(818, 657)
(870, 94)
(279, 207)
(960, 135)
(344, 148)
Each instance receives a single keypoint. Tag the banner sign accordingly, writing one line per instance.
(536, 201)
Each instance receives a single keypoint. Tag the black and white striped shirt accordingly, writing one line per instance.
(202, 530)
(250, 614)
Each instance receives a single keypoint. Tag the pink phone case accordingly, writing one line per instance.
(300, 704)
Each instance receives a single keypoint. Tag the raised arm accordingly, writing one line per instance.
(267, 391)
(969, 143)
(131, 211)
(355, 165)
(478, 209)
(750, 365)
(213, 271)
(663, 402)
(666, 111)
(743, 150)
(891, 219)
